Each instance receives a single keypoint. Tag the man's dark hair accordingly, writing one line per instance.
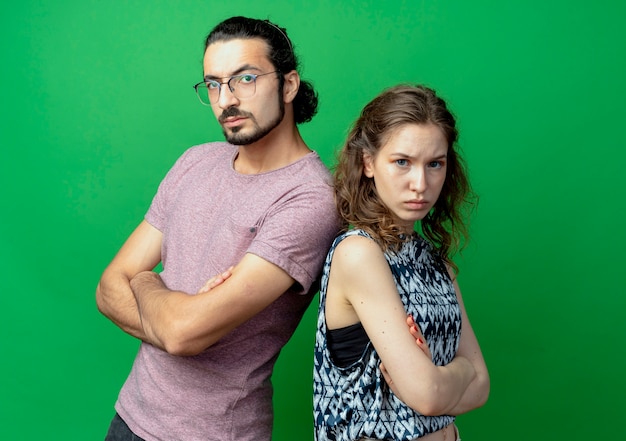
(281, 55)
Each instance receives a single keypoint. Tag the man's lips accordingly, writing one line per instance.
(233, 121)
(230, 114)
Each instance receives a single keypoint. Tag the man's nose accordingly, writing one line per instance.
(226, 97)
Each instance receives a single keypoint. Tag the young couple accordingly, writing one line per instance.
(243, 230)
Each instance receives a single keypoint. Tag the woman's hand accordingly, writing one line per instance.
(417, 334)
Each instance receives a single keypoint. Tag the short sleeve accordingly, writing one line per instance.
(157, 213)
(297, 233)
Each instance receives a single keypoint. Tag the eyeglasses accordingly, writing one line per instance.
(241, 86)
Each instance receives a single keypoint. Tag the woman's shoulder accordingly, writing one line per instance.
(354, 237)
(356, 248)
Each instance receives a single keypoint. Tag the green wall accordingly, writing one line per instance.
(96, 104)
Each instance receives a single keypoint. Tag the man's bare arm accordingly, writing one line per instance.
(184, 324)
(114, 297)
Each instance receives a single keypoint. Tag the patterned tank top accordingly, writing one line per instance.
(355, 402)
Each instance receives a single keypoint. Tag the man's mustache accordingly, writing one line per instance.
(232, 111)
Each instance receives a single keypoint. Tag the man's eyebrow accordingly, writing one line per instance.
(240, 70)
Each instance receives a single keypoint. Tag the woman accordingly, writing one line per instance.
(398, 170)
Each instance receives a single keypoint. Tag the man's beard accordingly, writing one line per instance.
(236, 138)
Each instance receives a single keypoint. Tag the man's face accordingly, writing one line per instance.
(244, 120)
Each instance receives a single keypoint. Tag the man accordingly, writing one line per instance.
(259, 210)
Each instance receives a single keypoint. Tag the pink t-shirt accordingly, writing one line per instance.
(210, 217)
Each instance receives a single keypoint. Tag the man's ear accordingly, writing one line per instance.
(368, 165)
(291, 86)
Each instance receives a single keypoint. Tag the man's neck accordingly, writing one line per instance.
(277, 149)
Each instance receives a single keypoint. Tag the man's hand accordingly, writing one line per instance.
(216, 280)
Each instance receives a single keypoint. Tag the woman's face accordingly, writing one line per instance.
(409, 171)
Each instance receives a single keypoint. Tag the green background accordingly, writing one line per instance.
(96, 105)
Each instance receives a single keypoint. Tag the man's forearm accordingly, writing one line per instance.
(116, 301)
(149, 293)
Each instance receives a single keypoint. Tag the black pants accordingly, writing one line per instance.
(119, 431)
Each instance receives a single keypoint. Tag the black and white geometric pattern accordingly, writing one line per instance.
(355, 402)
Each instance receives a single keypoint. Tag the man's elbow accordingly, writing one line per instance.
(109, 286)
(101, 302)
(181, 348)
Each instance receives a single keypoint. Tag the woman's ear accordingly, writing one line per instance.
(368, 165)
(291, 86)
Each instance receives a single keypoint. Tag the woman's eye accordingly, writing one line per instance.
(436, 164)
(402, 162)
